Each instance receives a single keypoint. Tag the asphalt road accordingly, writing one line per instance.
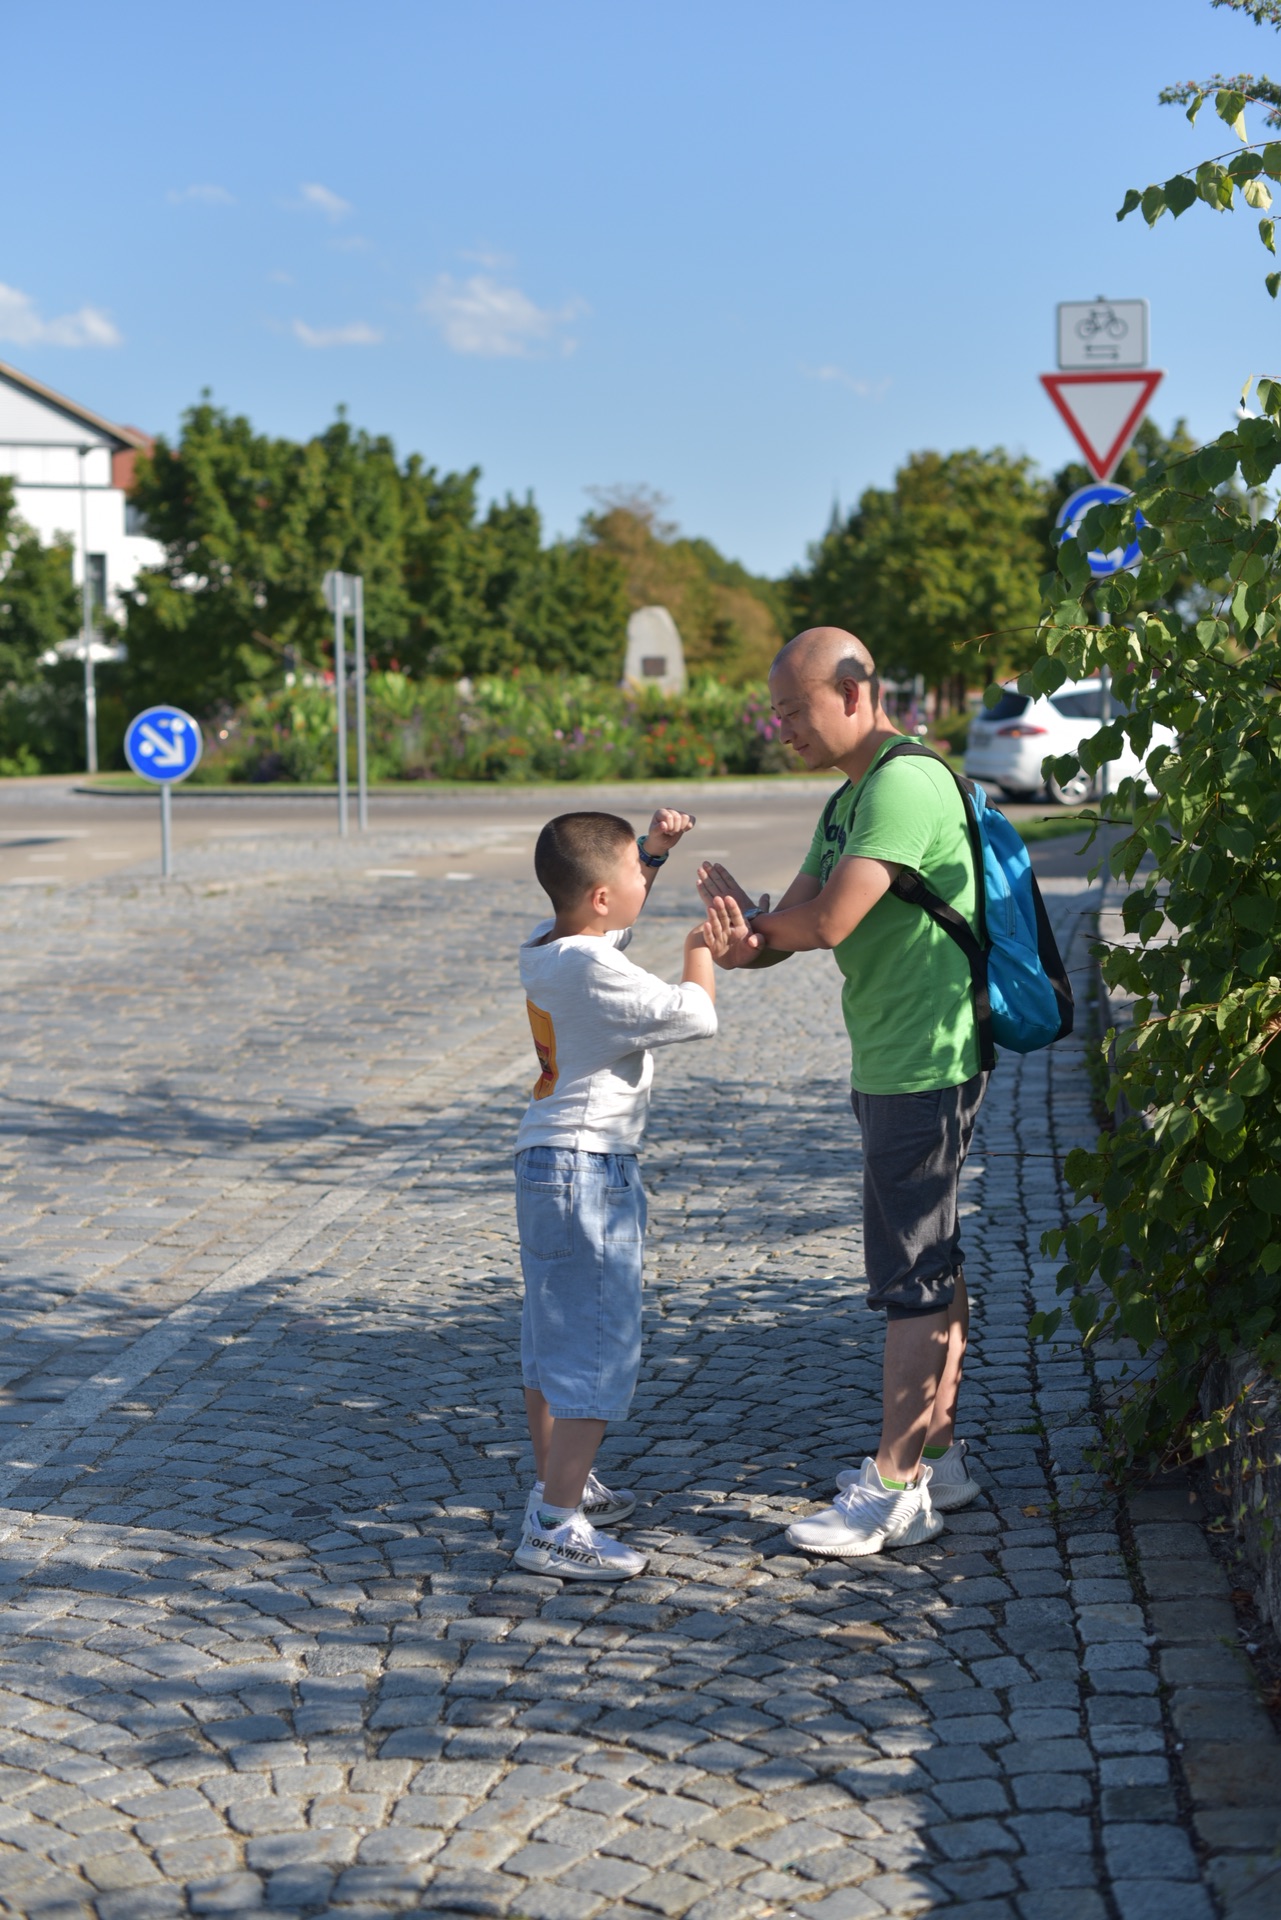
(52, 834)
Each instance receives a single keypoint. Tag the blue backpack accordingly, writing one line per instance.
(1022, 996)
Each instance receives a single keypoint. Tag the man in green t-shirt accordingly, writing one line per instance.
(915, 1076)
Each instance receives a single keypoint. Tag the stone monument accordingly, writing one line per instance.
(655, 656)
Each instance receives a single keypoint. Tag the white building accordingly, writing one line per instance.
(72, 471)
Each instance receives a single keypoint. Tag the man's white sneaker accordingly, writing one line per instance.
(575, 1551)
(604, 1506)
(868, 1516)
(950, 1483)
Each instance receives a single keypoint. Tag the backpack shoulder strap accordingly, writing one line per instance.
(829, 812)
(908, 886)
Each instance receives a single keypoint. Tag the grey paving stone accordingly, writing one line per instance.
(261, 1644)
(1161, 1900)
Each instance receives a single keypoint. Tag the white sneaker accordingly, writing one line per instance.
(868, 1516)
(575, 1551)
(604, 1506)
(950, 1483)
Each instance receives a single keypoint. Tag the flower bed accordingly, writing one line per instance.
(524, 726)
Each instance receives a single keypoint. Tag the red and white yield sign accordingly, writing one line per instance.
(1102, 411)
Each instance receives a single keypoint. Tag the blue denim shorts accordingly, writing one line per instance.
(581, 1218)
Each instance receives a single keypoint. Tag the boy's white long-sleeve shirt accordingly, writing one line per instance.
(595, 1016)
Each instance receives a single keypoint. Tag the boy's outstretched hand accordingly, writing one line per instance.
(667, 827)
(727, 936)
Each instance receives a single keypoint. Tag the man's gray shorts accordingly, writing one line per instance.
(914, 1146)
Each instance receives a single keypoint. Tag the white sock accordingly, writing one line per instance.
(553, 1517)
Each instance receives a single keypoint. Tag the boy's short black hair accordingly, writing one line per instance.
(577, 851)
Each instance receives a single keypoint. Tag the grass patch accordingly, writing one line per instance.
(1052, 828)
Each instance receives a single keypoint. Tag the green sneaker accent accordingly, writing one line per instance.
(895, 1486)
(935, 1453)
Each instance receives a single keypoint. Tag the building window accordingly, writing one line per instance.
(135, 519)
(96, 574)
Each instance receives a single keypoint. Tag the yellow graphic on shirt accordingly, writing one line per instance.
(540, 1025)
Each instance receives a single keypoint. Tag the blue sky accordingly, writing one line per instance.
(749, 255)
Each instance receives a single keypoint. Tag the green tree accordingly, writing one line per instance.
(1178, 1242)
(39, 605)
(251, 524)
(41, 722)
(938, 573)
(489, 597)
(1245, 170)
(731, 621)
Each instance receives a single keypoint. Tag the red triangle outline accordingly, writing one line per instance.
(1101, 465)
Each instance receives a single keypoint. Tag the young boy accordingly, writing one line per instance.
(580, 1207)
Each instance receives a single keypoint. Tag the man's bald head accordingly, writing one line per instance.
(830, 656)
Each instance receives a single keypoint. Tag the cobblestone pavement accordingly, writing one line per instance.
(261, 1646)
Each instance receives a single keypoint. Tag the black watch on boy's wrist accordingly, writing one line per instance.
(649, 859)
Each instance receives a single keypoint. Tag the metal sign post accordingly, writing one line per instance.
(163, 745)
(340, 695)
(362, 750)
(86, 628)
(345, 593)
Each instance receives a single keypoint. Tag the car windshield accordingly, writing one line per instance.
(1008, 707)
(1087, 703)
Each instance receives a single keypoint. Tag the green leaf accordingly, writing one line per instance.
(1252, 1078)
(1256, 911)
(1133, 199)
(1267, 233)
(1272, 281)
(1230, 107)
(1073, 565)
(1176, 1127)
(1221, 1107)
(1180, 193)
(1211, 181)
(1270, 1258)
(1271, 157)
(1153, 203)
(1255, 194)
(1237, 838)
(1048, 674)
(1138, 1317)
(1265, 1191)
(1195, 104)
(1198, 1182)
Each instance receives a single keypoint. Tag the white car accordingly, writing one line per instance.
(1008, 742)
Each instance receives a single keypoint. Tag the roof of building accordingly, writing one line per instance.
(126, 436)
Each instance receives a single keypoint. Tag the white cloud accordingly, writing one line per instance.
(321, 200)
(358, 333)
(865, 389)
(21, 323)
(209, 196)
(280, 278)
(483, 316)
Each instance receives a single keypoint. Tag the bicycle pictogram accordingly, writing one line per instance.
(1102, 323)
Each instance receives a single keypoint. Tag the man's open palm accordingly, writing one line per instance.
(716, 882)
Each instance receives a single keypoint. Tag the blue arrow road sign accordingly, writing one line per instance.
(163, 744)
(1100, 493)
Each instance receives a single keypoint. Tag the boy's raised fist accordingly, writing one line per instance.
(667, 827)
